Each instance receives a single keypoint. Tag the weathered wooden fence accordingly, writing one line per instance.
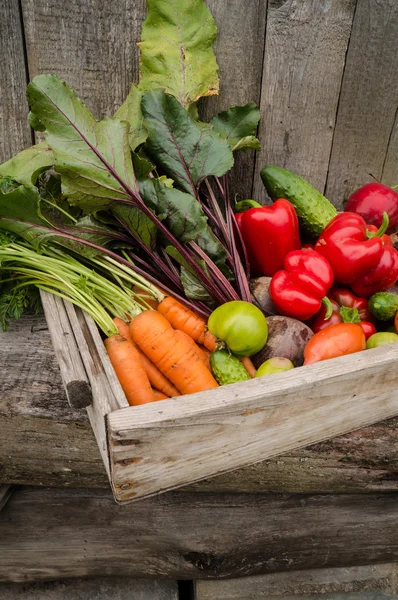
(323, 72)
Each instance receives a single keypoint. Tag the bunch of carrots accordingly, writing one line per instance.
(163, 352)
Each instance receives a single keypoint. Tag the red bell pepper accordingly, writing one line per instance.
(371, 201)
(383, 275)
(350, 248)
(269, 234)
(299, 290)
(347, 308)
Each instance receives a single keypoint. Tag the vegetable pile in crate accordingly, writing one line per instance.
(131, 220)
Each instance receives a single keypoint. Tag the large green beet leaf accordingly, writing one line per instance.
(177, 50)
(93, 156)
(186, 150)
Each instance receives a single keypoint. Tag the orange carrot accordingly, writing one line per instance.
(200, 353)
(209, 341)
(159, 395)
(123, 328)
(181, 317)
(156, 378)
(170, 353)
(250, 368)
(126, 361)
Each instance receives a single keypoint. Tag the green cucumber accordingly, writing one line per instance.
(227, 368)
(384, 305)
(314, 211)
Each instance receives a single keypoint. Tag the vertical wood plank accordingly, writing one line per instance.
(369, 100)
(389, 175)
(14, 127)
(90, 44)
(306, 43)
(239, 49)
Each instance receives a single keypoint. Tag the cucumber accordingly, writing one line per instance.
(314, 211)
(384, 305)
(227, 368)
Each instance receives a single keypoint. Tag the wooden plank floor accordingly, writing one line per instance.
(106, 588)
(50, 534)
(370, 582)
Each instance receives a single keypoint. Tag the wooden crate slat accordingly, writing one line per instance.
(116, 397)
(73, 373)
(158, 447)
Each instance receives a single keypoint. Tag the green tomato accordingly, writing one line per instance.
(381, 339)
(274, 365)
(241, 325)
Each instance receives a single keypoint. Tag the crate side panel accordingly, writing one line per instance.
(157, 448)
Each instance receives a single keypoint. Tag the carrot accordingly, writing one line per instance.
(198, 351)
(181, 317)
(159, 395)
(171, 354)
(209, 341)
(250, 368)
(156, 378)
(126, 361)
(123, 328)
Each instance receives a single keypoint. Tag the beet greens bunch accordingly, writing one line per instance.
(147, 187)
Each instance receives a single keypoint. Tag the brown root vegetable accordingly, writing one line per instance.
(286, 338)
(260, 293)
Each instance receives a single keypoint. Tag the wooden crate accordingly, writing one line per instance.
(161, 446)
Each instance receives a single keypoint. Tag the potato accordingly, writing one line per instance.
(259, 288)
(287, 338)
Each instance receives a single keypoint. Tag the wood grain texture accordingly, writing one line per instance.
(190, 536)
(5, 494)
(154, 448)
(91, 45)
(42, 439)
(98, 588)
(239, 49)
(81, 354)
(73, 373)
(14, 127)
(44, 442)
(379, 579)
(369, 100)
(305, 51)
(390, 167)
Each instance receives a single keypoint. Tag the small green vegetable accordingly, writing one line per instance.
(227, 368)
(274, 365)
(314, 211)
(241, 325)
(384, 305)
(381, 339)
